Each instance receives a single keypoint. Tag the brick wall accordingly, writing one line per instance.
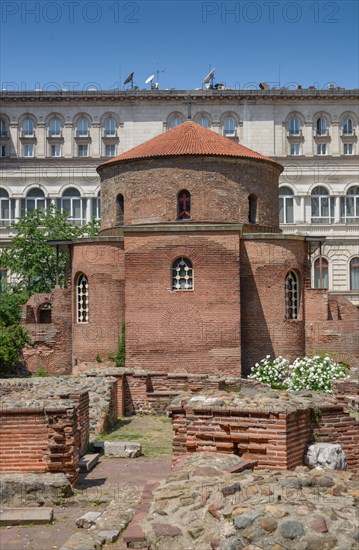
(40, 439)
(264, 328)
(52, 345)
(169, 331)
(219, 190)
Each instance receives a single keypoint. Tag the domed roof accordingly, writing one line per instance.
(188, 138)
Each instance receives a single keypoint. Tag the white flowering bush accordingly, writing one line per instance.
(313, 373)
(271, 371)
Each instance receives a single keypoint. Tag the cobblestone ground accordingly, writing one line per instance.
(121, 480)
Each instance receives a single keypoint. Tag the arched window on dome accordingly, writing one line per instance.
(354, 273)
(291, 296)
(120, 209)
(286, 212)
(82, 299)
(182, 274)
(321, 268)
(184, 205)
(252, 208)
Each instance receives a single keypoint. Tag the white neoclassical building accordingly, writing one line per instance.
(51, 143)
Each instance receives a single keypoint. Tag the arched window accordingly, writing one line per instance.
(294, 126)
(35, 199)
(3, 131)
(321, 279)
(252, 208)
(203, 121)
(184, 205)
(322, 205)
(72, 203)
(182, 274)
(6, 208)
(229, 127)
(82, 291)
(349, 206)
(110, 127)
(347, 126)
(354, 273)
(82, 128)
(27, 127)
(291, 296)
(322, 126)
(286, 212)
(120, 214)
(174, 121)
(55, 127)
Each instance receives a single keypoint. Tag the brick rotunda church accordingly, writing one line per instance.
(191, 257)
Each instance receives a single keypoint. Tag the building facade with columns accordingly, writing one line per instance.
(51, 143)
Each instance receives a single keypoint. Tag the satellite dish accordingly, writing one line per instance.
(209, 77)
(149, 79)
(129, 78)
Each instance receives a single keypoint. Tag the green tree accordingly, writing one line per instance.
(13, 336)
(120, 357)
(31, 258)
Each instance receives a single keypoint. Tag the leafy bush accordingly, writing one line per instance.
(271, 371)
(41, 372)
(120, 357)
(312, 373)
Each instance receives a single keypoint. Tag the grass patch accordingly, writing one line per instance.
(153, 432)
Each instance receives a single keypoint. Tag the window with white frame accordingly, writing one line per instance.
(110, 127)
(82, 292)
(354, 273)
(229, 127)
(347, 126)
(348, 148)
(174, 121)
(295, 149)
(291, 296)
(35, 199)
(322, 205)
(3, 130)
(96, 207)
(55, 127)
(182, 274)
(322, 126)
(286, 205)
(72, 203)
(294, 128)
(28, 127)
(28, 150)
(110, 150)
(203, 121)
(321, 269)
(55, 150)
(82, 150)
(322, 149)
(82, 128)
(349, 206)
(6, 209)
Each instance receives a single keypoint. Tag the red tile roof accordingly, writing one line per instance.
(188, 138)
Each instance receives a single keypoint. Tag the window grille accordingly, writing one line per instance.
(182, 274)
(82, 299)
(291, 296)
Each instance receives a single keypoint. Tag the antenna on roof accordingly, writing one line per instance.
(128, 80)
(208, 80)
(158, 72)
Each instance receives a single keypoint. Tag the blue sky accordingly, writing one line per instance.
(76, 44)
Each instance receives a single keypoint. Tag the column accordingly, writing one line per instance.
(41, 141)
(68, 140)
(17, 209)
(335, 140)
(96, 141)
(308, 138)
(336, 209)
(88, 210)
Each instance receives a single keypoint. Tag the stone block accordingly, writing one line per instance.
(89, 461)
(108, 535)
(122, 449)
(22, 516)
(16, 489)
(88, 520)
(326, 455)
